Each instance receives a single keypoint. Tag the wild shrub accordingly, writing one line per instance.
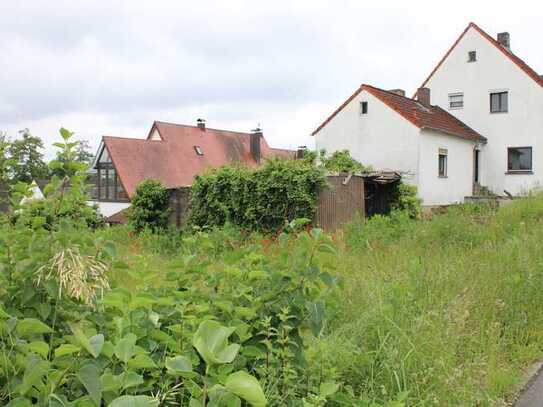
(405, 199)
(341, 161)
(149, 207)
(65, 198)
(262, 199)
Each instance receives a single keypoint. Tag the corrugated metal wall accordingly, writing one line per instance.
(340, 202)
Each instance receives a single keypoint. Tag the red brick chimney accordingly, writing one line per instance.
(423, 96)
(400, 92)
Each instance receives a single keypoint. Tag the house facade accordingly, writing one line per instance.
(482, 87)
(433, 149)
(483, 83)
(173, 154)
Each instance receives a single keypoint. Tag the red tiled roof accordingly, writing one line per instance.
(173, 160)
(515, 59)
(424, 117)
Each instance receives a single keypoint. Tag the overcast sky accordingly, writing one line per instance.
(112, 67)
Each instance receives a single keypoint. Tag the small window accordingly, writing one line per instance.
(519, 159)
(198, 150)
(499, 102)
(456, 100)
(472, 56)
(442, 163)
(363, 107)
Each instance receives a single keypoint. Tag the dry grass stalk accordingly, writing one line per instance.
(79, 277)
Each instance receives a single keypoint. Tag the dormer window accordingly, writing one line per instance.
(363, 107)
(198, 150)
(472, 56)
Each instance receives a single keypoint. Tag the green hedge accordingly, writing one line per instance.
(260, 199)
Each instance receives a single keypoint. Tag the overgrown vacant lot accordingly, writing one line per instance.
(448, 310)
(445, 311)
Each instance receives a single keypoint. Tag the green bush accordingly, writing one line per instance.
(149, 207)
(405, 199)
(65, 197)
(341, 161)
(262, 199)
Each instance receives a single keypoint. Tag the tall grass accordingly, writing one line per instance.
(449, 309)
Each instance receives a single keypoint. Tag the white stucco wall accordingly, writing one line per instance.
(381, 138)
(522, 126)
(458, 184)
(109, 208)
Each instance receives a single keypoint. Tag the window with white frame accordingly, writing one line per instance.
(442, 163)
(456, 100)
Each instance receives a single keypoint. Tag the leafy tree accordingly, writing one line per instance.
(150, 207)
(26, 159)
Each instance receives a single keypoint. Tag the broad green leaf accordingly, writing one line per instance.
(19, 402)
(219, 396)
(39, 347)
(126, 347)
(92, 345)
(30, 326)
(89, 376)
(35, 370)
(131, 379)
(66, 349)
(178, 365)
(211, 342)
(141, 362)
(65, 134)
(110, 382)
(134, 401)
(247, 387)
(328, 388)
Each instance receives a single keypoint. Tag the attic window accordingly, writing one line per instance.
(198, 150)
(363, 107)
(472, 56)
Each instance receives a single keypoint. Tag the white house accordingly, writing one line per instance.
(387, 130)
(490, 91)
(483, 83)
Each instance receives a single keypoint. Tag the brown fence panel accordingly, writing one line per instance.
(340, 202)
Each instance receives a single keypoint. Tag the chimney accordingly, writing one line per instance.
(300, 152)
(505, 40)
(256, 135)
(400, 92)
(423, 96)
(201, 123)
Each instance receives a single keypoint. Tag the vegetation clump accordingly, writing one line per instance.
(262, 199)
(150, 207)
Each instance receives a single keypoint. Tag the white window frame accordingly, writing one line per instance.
(456, 94)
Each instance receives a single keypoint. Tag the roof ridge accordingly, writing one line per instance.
(195, 127)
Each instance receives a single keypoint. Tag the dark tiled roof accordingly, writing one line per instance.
(515, 59)
(173, 160)
(424, 117)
